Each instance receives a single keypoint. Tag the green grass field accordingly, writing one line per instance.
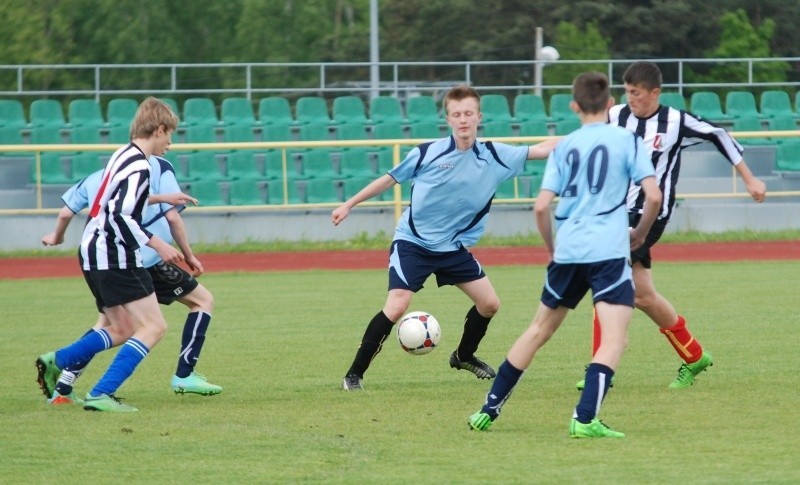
(281, 342)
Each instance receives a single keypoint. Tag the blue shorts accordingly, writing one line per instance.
(410, 265)
(611, 281)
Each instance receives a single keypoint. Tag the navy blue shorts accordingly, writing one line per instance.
(410, 265)
(171, 282)
(113, 287)
(611, 281)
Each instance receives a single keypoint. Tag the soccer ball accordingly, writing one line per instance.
(418, 333)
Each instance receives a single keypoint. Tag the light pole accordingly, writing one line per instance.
(374, 55)
(544, 54)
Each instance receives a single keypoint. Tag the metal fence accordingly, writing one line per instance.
(399, 79)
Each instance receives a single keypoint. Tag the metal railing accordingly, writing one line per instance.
(399, 79)
(397, 202)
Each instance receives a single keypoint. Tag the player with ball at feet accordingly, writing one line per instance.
(454, 181)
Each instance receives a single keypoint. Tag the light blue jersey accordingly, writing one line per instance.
(590, 170)
(452, 190)
(162, 181)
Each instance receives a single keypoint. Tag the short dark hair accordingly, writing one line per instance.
(458, 93)
(643, 73)
(591, 91)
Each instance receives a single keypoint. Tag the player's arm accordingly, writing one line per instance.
(755, 186)
(541, 210)
(377, 186)
(178, 231)
(650, 209)
(177, 198)
(56, 237)
(543, 149)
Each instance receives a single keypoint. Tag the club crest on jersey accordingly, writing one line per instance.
(658, 143)
(446, 166)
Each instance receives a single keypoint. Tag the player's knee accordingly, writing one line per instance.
(489, 308)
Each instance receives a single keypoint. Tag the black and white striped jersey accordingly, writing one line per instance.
(114, 233)
(665, 134)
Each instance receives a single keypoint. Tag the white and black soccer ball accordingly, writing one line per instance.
(418, 333)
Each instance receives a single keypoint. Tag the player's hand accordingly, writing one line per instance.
(757, 189)
(51, 239)
(177, 198)
(166, 251)
(637, 239)
(194, 265)
(339, 214)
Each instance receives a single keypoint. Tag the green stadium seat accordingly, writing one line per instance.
(318, 163)
(273, 164)
(708, 105)
(385, 161)
(322, 190)
(388, 130)
(238, 111)
(84, 164)
(351, 186)
(351, 131)
(314, 132)
(120, 134)
(203, 165)
(507, 190)
(495, 107)
(349, 109)
(529, 107)
(242, 133)
(567, 126)
(422, 109)
(386, 109)
(200, 111)
(207, 192)
(559, 107)
(357, 162)
(497, 129)
(120, 111)
(775, 103)
(12, 114)
(55, 169)
(750, 123)
(242, 165)
(47, 135)
(47, 112)
(782, 123)
(246, 192)
(275, 192)
(85, 134)
(422, 130)
(534, 128)
(276, 132)
(85, 112)
(535, 167)
(275, 110)
(200, 134)
(10, 136)
(312, 109)
(741, 104)
(787, 157)
(673, 99)
(534, 182)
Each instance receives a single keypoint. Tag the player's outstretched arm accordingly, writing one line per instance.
(755, 186)
(543, 149)
(56, 237)
(377, 186)
(177, 198)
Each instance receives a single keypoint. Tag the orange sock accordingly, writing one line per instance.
(683, 342)
(595, 332)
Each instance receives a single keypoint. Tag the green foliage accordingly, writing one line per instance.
(279, 344)
(574, 44)
(741, 39)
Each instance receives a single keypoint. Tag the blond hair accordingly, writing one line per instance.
(151, 114)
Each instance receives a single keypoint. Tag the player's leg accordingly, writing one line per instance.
(171, 283)
(409, 267)
(519, 357)
(673, 326)
(476, 322)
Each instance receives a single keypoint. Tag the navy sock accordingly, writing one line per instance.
(507, 378)
(475, 326)
(194, 334)
(84, 349)
(121, 367)
(598, 379)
